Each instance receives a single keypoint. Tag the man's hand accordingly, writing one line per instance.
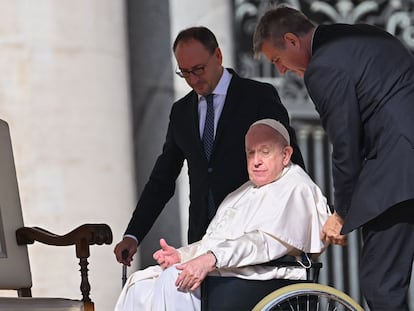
(129, 245)
(331, 231)
(167, 255)
(193, 272)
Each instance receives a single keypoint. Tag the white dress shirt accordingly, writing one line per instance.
(218, 101)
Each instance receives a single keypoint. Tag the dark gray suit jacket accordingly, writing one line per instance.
(246, 101)
(361, 80)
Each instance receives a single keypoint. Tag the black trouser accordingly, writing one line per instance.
(387, 258)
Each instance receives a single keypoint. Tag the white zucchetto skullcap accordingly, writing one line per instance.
(276, 125)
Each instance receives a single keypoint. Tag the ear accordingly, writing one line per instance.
(287, 154)
(218, 55)
(291, 39)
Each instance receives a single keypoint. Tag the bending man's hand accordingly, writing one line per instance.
(127, 244)
(331, 231)
(193, 272)
(167, 255)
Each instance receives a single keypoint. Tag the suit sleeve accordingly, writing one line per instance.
(334, 96)
(159, 188)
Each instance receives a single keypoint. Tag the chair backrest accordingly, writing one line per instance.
(14, 261)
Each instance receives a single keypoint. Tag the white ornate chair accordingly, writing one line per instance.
(14, 262)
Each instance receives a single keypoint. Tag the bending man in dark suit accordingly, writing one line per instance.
(238, 102)
(361, 80)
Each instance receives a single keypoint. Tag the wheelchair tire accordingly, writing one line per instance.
(307, 297)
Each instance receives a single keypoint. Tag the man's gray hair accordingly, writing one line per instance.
(275, 23)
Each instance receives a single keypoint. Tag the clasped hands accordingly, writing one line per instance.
(193, 272)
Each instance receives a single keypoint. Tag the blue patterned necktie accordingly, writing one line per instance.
(208, 140)
(208, 133)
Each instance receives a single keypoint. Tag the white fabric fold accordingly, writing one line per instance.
(253, 225)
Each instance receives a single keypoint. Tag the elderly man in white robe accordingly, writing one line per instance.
(279, 211)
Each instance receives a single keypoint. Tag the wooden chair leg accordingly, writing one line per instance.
(88, 306)
(85, 286)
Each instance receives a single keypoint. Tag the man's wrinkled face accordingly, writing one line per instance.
(265, 157)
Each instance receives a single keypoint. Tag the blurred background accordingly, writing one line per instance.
(87, 86)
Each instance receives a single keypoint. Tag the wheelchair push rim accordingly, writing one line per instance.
(325, 298)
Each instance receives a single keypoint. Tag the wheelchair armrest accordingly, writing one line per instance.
(312, 272)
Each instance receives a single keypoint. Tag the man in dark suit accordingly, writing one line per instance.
(237, 103)
(361, 80)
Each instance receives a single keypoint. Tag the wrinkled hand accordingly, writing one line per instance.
(193, 272)
(167, 255)
(331, 231)
(127, 244)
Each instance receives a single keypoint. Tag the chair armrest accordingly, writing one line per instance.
(81, 237)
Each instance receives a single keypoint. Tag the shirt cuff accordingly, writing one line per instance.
(132, 237)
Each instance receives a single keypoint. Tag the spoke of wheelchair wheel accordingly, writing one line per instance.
(311, 302)
(290, 306)
(328, 306)
(332, 307)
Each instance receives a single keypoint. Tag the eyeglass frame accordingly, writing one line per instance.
(196, 71)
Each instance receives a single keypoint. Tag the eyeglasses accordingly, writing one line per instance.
(197, 71)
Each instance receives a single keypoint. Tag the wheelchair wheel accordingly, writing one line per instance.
(307, 297)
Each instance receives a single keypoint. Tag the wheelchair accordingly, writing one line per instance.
(232, 293)
(307, 297)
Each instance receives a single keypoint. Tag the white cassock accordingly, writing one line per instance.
(253, 225)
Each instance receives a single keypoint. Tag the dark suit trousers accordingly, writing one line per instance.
(387, 258)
